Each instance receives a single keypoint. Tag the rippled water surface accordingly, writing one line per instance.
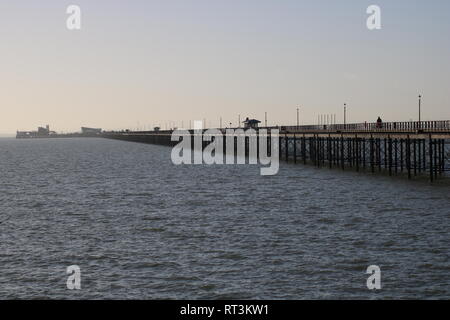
(140, 227)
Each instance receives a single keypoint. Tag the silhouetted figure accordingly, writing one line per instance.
(379, 123)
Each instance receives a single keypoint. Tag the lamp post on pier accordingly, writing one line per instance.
(420, 105)
(345, 115)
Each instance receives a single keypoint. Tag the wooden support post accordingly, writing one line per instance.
(349, 151)
(390, 155)
(295, 148)
(396, 155)
(257, 145)
(247, 146)
(317, 150)
(442, 156)
(430, 151)
(323, 151)
(436, 147)
(279, 147)
(424, 155)
(286, 147)
(401, 155)
(336, 151)
(379, 153)
(318, 153)
(304, 149)
(364, 153)
(408, 156)
(419, 157)
(357, 153)
(329, 152)
(372, 154)
(415, 157)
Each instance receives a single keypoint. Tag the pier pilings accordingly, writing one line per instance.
(407, 154)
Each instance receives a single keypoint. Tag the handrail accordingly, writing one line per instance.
(442, 125)
(410, 126)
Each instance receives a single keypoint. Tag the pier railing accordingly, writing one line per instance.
(411, 126)
(442, 126)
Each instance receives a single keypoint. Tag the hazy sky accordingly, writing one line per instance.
(151, 62)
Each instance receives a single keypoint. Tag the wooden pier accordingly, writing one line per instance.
(397, 148)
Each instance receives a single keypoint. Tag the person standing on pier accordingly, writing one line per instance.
(379, 123)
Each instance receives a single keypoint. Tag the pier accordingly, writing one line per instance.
(411, 148)
(397, 148)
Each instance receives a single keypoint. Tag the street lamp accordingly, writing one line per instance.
(420, 105)
(345, 115)
(298, 117)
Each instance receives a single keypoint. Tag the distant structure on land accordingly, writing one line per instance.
(40, 133)
(251, 123)
(90, 131)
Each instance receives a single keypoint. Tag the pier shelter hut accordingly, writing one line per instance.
(251, 123)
